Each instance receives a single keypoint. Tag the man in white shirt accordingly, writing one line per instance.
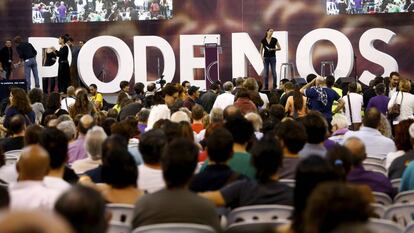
(375, 143)
(353, 106)
(30, 192)
(69, 100)
(56, 144)
(394, 82)
(151, 146)
(93, 145)
(225, 99)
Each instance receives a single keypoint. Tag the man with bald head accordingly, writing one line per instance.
(321, 97)
(378, 182)
(76, 149)
(375, 143)
(30, 192)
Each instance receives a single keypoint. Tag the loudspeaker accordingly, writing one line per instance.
(6, 85)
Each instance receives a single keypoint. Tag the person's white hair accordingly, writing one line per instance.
(180, 116)
(158, 112)
(256, 120)
(216, 115)
(228, 86)
(93, 142)
(68, 128)
(340, 121)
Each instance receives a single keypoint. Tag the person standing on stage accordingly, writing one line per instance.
(63, 70)
(27, 54)
(6, 58)
(268, 47)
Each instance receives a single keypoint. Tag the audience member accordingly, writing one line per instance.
(192, 99)
(76, 149)
(197, 114)
(353, 103)
(207, 99)
(358, 175)
(69, 100)
(176, 203)
(339, 128)
(84, 209)
(405, 99)
(53, 107)
(288, 89)
(316, 131)
(244, 102)
(399, 164)
(375, 143)
(82, 104)
(32, 167)
(33, 134)
(380, 101)
(402, 141)
(292, 136)
(142, 117)
(393, 86)
(225, 99)
(96, 97)
(151, 146)
(257, 123)
(36, 99)
(16, 131)
(296, 105)
(19, 104)
(93, 146)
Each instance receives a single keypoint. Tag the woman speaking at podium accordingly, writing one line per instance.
(268, 47)
(63, 70)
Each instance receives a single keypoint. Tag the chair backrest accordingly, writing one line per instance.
(10, 160)
(13, 153)
(409, 228)
(400, 213)
(404, 197)
(384, 226)
(382, 198)
(118, 228)
(379, 209)
(255, 227)
(175, 227)
(259, 213)
(374, 159)
(374, 167)
(396, 183)
(289, 182)
(121, 213)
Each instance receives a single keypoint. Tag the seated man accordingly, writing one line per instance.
(151, 146)
(30, 192)
(16, 130)
(217, 174)
(267, 159)
(358, 175)
(316, 129)
(176, 203)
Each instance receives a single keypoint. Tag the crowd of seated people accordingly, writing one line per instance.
(175, 156)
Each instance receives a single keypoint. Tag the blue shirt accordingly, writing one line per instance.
(12, 111)
(316, 104)
(407, 180)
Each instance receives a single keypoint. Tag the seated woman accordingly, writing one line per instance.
(267, 159)
(119, 176)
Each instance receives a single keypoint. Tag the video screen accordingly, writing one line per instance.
(72, 11)
(355, 7)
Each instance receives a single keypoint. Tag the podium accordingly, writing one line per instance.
(211, 52)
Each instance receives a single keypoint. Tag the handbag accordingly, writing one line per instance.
(395, 109)
(350, 113)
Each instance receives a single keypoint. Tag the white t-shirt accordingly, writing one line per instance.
(66, 103)
(30, 195)
(407, 105)
(56, 183)
(150, 180)
(265, 99)
(356, 105)
(224, 100)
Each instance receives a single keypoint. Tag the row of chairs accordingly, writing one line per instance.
(402, 197)
(11, 157)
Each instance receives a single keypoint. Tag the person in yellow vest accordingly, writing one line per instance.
(96, 97)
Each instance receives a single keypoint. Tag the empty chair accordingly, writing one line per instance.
(404, 197)
(374, 167)
(175, 227)
(400, 213)
(373, 159)
(288, 182)
(118, 228)
(259, 213)
(255, 227)
(121, 213)
(12, 153)
(379, 209)
(382, 198)
(384, 226)
(396, 183)
(409, 228)
(10, 160)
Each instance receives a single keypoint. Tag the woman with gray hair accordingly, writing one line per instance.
(93, 145)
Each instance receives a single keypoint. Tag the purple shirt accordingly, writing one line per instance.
(380, 102)
(76, 150)
(62, 10)
(376, 181)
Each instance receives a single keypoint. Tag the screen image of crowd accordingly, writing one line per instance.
(68, 11)
(337, 7)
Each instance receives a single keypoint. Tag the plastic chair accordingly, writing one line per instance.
(400, 213)
(382, 198)
(379, 209)
(384, 226)
(13, 153)
(288, 182)
(255, 227)
(175, 227)
(374, 167)
(259, 213)
(10, 160)
(121, 213)
(396, 183)
(404, 197)
(118, 228)
(409, 228)
(327, 68)
(373, 159)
